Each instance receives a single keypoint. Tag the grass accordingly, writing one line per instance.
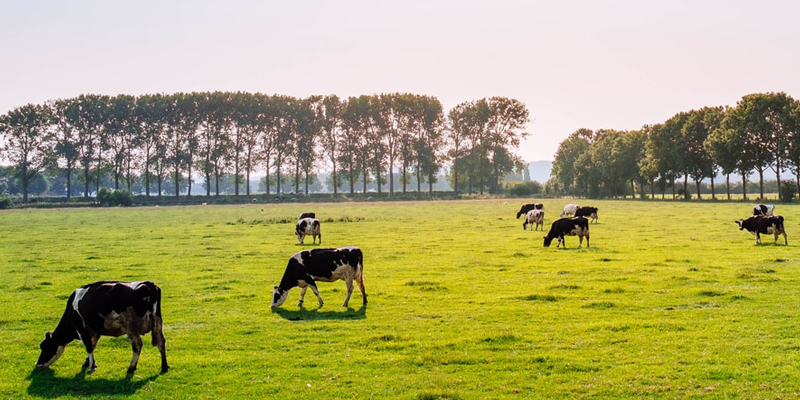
(671, 301)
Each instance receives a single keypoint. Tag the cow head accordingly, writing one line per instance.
(740, 223)
(51, 351)
(278, 296)
(547, 241)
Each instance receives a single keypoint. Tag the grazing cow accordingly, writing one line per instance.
(530, 206)
(308, 267)
(568, 226)
(763, 209)
(590, 212)
(535, 218)
(569, 209)
(307, 215)
(308, 226)
(766, 224)
(109, 309)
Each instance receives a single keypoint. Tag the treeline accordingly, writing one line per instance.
(761, 132)
(159, 139)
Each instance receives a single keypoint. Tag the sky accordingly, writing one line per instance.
(575, 64)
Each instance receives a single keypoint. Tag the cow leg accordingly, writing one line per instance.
(302, 295)
(349, 283)
(758, 238)
(320, 238)
(90, 342)
(316, 292)
(136, 346)
(360, 280)
(587, 239)
(158, 340)
(580, 241)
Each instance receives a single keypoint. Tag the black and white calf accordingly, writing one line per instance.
(308, 267)
(535, 218)
(766, 224)
(530, 206)
(308, 226)
(307, 215)
(763, 209)
(108, 309)
(568, 226)
(590, 212)
(569, 209)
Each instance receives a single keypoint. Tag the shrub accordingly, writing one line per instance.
(788, 191)
(107, 197)
(123, 197)
(525, 189)
(5, 202)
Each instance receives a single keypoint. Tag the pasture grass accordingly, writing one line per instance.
(670, 301)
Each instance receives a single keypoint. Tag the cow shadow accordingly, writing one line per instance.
(45, 384)
(318, 314)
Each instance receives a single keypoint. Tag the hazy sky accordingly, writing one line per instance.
(593, 64)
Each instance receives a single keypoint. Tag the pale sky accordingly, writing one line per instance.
(575, 64)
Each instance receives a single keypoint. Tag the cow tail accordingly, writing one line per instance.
(158, 323)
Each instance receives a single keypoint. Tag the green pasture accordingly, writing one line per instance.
(670, 301)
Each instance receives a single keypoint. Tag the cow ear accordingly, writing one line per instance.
(48, 335)
(275, 287)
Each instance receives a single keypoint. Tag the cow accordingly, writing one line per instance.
(763, 209)
(535, 218)
(308, 267)
(108, 308)
(308, 226)
(530, 206)
(569, 209)
(307, 215)
(766, 224)
(568, 226)
(590, 212)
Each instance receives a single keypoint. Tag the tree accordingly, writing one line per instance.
(460, 129)
(67, 140)
(564, 170)
(698, 163)
(29, 142)
(329, 115)
(505, 129)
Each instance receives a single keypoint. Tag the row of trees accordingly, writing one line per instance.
(761, 132)
(171, 138)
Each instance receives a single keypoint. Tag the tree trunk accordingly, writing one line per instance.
(335, 181)
(69, 181)
(686, 195)
(761, 183)
(744, 186)
(86, 181)
(778, 174)
(697, 184)
(391, 178)
(713, 195)
(728, 185)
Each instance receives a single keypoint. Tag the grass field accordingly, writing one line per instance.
(670, 301)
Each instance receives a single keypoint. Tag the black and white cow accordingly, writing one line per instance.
(308, 267)
(763, 209)
(568, 226)
(308, 226)
(307, 215)
(108, 309)
(530, 206)
(535, 218)
(766, 224)
(569, 209)
(590, 212)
